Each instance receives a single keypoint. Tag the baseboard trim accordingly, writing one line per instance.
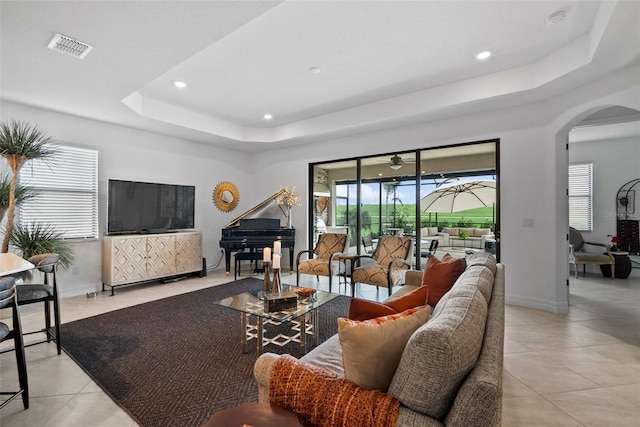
(539, 304)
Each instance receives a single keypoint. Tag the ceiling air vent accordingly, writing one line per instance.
(69, 46)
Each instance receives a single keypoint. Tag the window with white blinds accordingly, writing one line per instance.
(580, 196)
(67, 192)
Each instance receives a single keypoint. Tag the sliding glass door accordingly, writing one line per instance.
(386, 194)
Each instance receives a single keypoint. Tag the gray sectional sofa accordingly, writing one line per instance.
(450, 373)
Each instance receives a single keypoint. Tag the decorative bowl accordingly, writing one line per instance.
(303, 292)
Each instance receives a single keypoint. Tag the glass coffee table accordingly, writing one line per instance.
(302, 320)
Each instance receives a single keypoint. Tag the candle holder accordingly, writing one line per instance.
(276, 281)
(266, 285)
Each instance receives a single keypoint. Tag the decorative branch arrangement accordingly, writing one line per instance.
(288, 198)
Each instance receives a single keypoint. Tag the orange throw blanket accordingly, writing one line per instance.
(321, 398)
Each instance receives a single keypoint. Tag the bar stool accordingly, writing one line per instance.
(47, 293)
(8, 299)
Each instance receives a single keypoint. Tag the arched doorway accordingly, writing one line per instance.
(606, 139)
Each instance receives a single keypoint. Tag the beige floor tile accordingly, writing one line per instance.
(56, 377)
(92, 387)
(41, 409)
(513, 388)
(597, 407)
(585, 336)
(543, 375)
(629, 392)
(534, 411)
(600, 369)
(513, 346)
(623, 353)
(90, 409)
(549, 342)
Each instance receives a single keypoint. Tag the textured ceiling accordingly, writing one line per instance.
(382, 63)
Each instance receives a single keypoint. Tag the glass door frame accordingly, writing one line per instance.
(417, 173)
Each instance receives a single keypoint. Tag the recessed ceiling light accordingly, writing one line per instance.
(556, 17)
(268, 117)
(314, 70)
(179, 84)
(483, 55)
(379, 174)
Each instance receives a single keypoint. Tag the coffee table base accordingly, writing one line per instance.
(303, 326)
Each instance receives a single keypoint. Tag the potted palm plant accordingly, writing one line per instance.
(19, 143)
(39, 238)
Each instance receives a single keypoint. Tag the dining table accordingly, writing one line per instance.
(11, 263)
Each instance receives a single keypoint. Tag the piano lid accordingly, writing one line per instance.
(256, 208)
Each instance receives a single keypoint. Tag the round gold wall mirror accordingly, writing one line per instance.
(225, 196)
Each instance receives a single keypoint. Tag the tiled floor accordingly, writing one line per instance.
(577, 369)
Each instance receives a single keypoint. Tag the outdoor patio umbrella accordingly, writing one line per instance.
(460, 197)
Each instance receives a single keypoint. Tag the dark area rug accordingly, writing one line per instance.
(175, 361)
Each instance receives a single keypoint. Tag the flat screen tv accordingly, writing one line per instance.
(143, 207)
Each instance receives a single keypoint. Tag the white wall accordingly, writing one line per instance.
(130, 154)
(533, 176)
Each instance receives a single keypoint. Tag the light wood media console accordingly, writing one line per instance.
(143, 257)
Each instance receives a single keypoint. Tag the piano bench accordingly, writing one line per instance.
(244, 256)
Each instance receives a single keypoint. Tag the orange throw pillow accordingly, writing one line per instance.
(360, 309)
(440, 275)
(415, 298)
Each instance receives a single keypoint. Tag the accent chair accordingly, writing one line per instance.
(392, 258)
(578, 254)
(320, 260)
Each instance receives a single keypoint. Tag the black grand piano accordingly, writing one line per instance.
(256, 233)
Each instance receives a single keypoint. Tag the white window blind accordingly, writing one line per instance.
(67, 192)
(580, 196)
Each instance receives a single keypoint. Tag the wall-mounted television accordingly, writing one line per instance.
(144, 207)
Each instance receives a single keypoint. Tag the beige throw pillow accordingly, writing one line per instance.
(371, 349)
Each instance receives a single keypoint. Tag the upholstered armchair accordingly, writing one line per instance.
(320, 260)
(392, 258)
(578, 254)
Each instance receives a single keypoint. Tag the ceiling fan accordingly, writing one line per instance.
(397, 162)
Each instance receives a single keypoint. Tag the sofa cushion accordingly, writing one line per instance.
(371, 349)
(479, 232)
(441, 353)
(483, 259)
(451, 231)
(477, 277)
(327, 356)
(361, 309)
(469, 231)
(440, 275)
(428, 231)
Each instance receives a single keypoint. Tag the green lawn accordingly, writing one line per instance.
(479, 217)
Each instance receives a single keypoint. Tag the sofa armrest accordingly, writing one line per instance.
(445, 238)
(262, 373)
(413, 278)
